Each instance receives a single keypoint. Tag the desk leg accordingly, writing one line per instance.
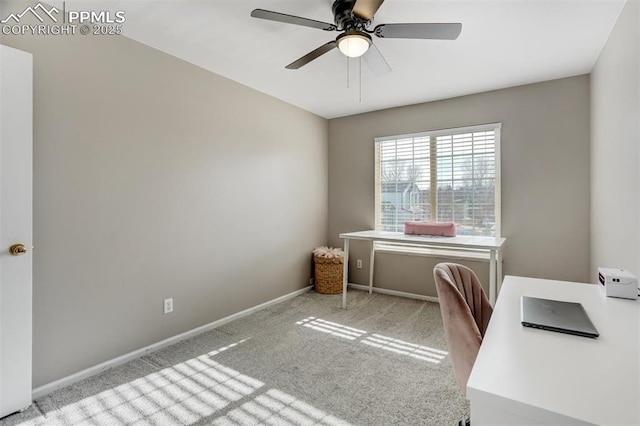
(371, 259)
(345, 273)
(499, 264)
(492, 277)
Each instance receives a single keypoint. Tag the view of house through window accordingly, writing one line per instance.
(445, 176)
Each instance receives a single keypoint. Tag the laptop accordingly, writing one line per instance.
(556, 315)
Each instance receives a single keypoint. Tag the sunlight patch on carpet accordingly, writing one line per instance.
(187, 393)
(275, 407)
(423, 353)
(332, 328)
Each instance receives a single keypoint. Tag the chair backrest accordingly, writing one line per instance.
(465, 312)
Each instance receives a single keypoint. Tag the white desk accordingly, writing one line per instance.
(491, 244)
(525, 376)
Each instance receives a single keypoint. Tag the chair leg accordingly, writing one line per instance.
(465, 421)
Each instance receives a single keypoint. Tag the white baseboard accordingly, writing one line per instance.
(43, 390)
(395, 293)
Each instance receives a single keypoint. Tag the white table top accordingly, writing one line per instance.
(462, 241)
(593, 380)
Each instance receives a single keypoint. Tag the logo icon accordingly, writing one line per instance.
(34, 11)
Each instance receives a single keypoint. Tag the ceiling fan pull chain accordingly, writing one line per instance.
(347, 71)
(360, 76)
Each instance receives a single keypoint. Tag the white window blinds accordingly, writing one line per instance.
(450, 175)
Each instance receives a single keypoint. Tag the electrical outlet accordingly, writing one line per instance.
(168, 306)
(359, 263)
(311, 281)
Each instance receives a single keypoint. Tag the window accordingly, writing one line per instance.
(450, 175)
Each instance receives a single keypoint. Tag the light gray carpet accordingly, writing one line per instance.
(304, 361)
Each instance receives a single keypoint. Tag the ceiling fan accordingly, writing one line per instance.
(352, 19)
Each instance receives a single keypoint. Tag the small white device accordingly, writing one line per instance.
(618, 283)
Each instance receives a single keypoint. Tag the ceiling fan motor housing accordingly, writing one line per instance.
(344, 17)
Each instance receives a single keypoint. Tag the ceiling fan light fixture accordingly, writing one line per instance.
(354, 43)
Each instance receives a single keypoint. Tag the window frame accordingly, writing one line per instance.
(496, 127)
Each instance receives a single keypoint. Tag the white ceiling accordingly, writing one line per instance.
(503, 43)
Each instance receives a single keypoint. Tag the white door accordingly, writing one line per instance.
(16, 79)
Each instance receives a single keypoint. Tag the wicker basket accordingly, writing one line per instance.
(328, 270)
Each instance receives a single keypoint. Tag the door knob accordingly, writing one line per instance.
(17, 250)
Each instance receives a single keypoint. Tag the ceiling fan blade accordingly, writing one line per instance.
(421, 31)
(376, 62)
(365, 9)
(315, 54)
(291, 19)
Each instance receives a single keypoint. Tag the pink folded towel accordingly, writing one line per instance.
(445, 229)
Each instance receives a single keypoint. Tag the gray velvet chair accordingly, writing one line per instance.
(465, 312)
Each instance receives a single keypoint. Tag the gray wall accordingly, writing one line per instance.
(154, 178)
(545, 177)
(615, 152)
